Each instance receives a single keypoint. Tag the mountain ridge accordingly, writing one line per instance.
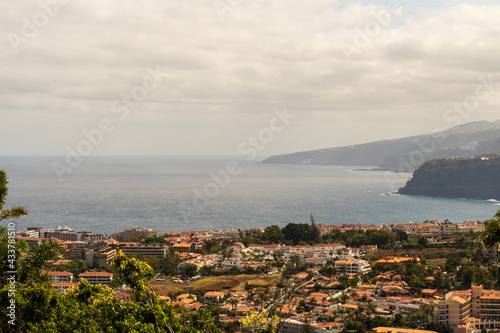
(405, 154)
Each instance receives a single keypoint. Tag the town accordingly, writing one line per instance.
(431, 276)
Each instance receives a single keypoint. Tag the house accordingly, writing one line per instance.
(244, 310)
(300, 277)
(184, 247)
(431, 293)
(122, 296)
(395, 260)
(212, 296)
(237, 247)
(316, 262)
(194, 305)
(328, 327)
(237, 294)
(183, 297)
(290, 325)
(393, 290)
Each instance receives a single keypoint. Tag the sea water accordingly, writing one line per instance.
(173, 194)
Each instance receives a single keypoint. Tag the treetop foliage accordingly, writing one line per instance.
(14, 212)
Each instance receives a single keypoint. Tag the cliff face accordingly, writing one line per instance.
(474, 178)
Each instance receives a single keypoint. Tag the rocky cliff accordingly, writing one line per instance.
(475, 178)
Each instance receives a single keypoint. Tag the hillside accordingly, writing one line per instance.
(475, 178)
(471, 139)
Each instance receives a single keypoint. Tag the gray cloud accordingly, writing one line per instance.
(225, 76)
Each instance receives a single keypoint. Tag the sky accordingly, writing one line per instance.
(204, 77)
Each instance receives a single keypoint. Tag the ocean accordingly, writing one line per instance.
(174, 194)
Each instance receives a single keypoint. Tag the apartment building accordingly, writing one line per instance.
(100, 257)
(76, 247)
(62, 286)
(156, 251)
(477, 308)
(60, 276)
(29, 233)
(62, 233)
(455, 309)
(226, 234)
(485, 303)
(354, 266)
(97, 277)
(135, 233)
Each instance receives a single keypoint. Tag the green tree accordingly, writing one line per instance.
(315, 235)
(423, 242)
(271, 234)
(33, 263)
(13, 212)
(191, 270)
(491, 235)
(133, 273)
(168, 265)
(9, 248)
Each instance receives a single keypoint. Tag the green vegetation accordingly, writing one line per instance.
(93, 308)
(356, 238)
(76, 267)
(302, 233)
(14, 212)
(476, 178)
(491, 236)
(167, 265)
(292, 234)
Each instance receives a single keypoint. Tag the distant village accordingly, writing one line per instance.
(322, 286)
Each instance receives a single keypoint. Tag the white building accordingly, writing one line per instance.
(62, 286)
(97, 277)
(354, 266)
(61, 276)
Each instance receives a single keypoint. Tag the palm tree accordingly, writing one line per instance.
(491, 235)
(14, 212)
(307, 327)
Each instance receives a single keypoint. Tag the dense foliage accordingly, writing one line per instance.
(303, 233)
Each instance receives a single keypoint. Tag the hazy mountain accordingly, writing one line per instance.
(406, 154)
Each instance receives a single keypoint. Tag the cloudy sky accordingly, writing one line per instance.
(350, 72)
